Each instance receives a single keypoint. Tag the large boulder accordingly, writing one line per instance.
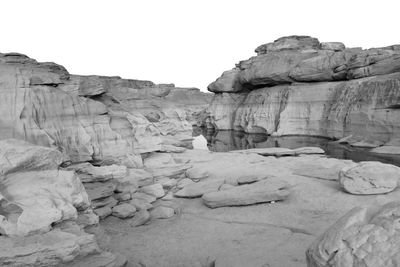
(363, 237)
(34, 200)
(369, 178)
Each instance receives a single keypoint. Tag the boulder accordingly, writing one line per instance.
(123, 211)
(155, 190)
(35, 200)
(103, 212)
(263, 191)
(367, 178)
(362, 237)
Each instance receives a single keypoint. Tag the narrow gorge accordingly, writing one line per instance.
(104, 171)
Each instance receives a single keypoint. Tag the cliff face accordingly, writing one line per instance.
(297, 85)
(92, 118)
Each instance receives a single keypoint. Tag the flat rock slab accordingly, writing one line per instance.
(387, 150)
(162, 212)
(263, 191)
(200, 188)
(89, 173)
(99, 190)
(281, 151)
(269, 151)
(369, 177)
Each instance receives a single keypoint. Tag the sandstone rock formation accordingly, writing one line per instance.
(298, 86)
(362, 237)
(92, 118)
(369, 178)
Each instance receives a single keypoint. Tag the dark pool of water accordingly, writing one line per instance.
(223, 141)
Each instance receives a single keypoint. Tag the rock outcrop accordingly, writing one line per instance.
(362, 237)
(369, 177)
(92, 118)
(298, 86)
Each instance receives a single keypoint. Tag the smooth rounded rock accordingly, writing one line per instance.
(369, 177)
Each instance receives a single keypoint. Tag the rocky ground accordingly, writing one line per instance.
(276, 233)
(96, 171)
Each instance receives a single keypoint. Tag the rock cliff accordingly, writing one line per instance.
(299, 86)
(92, 118)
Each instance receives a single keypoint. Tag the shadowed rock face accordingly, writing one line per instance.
(92, 118)
(297, 85)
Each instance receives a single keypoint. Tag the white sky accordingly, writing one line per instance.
(187, 42)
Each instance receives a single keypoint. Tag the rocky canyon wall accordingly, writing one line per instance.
(93, 118)
(299, 86)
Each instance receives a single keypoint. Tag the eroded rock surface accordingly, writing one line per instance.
(362, 237)
(298, 86)
(369, 178)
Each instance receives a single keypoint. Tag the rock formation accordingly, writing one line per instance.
(92, 118)
(299, 86)
(362, 237)
(76, 155)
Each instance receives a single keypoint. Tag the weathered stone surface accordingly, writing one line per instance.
(143, 196)
(184, 182)
(329, 101)
(99, 190)
(141, 217)
(37, 199)
(263, 191)
(142, 177)
(369, 178)
(155, 190)
(269, 151)
(308, 150)
(200, 188)
(387, 150)
(103, 212)
(50, 249)
(227, 83)
(122, 196)
(93, 118)
(123, 211)
(19, 156)
(89, 173)
(195, 173)
(141, 204)
(104, 202)
(162, 212)
(362, 237)
(167, 183)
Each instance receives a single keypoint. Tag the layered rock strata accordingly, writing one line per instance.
(92, 118)
(299, 86)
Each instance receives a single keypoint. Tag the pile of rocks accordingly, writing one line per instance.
(46, 206)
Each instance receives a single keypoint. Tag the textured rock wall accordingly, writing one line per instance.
(92, 118)
(297, 85)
